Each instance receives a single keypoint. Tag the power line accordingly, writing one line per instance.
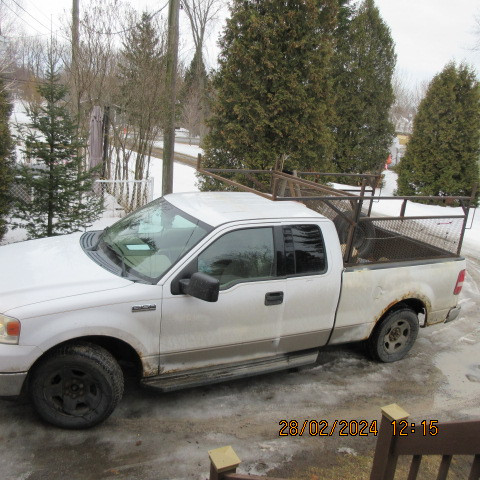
(39, 11)
(21, 18)
(40, 34)
(28, 13)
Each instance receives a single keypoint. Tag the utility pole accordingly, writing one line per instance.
(75, 49)
(169, 127)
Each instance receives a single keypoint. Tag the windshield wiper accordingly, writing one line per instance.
(119, 257)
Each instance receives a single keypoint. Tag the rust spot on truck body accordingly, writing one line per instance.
(150, 367)
(426, 305)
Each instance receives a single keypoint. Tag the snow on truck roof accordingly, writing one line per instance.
(215, 208)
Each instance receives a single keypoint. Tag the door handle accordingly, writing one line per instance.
(273, 298)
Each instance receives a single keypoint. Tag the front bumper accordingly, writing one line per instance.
(453, 314)
(15, 362)
(11, 384)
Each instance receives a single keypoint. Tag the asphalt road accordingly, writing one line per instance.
(167, 436)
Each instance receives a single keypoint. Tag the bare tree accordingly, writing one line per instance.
(142, 94)
(201, 15)
(407, 100)
(9, 13)
(94, 73)
(10, 31)
(192, 117)
(476, 45)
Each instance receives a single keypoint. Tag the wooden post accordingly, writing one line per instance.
(222, 460)
(74, 67)
(106, 140)
(385, 461)
(169, 125)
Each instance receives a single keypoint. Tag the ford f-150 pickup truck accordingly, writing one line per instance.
(197, 288)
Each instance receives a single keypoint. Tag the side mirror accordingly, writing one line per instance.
(202, 286)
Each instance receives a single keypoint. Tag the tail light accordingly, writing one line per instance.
(459, 284)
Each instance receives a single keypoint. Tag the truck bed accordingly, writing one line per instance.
(365, 238)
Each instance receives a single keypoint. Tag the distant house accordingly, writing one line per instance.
(398, 147)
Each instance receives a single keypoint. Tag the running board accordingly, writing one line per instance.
(206, 376)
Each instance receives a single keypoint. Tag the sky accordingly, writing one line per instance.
(427, 33)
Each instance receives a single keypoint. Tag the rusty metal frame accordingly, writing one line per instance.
(330, 194)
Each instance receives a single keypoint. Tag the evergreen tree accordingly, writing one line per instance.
(273, 87)
(142, 76)
(195, 76)
(142, 91)
(442, 154)
(6, 158)
(364, 66)
(194, 97)
(62, 193)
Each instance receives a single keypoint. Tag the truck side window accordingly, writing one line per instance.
(304, 250)
(240, 256)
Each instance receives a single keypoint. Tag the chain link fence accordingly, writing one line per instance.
(120, 197)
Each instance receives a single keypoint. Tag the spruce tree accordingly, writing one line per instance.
(364, 66)
(194, 97)
(273, 87)
(142, 93)
(62, 199)
(6, 158)
(442, 154)
(195, 76)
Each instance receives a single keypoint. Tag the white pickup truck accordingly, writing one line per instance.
(197, 288)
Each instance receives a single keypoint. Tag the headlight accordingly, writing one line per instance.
(9, 330)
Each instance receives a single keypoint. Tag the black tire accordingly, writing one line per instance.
(364, 237)
(76, 386)
(393, 338)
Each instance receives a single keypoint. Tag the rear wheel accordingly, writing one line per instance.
(393, 338)
(76, 386)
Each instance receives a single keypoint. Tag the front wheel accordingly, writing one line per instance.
(76, 386)
(393, 338)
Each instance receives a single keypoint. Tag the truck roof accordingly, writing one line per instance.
(216, 208)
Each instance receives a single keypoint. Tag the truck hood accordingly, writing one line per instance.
(47, 269)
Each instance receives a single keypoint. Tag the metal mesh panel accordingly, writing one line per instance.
(380, 239)
(21, 192)
(121, 197)
(367, 238)
(414, 239)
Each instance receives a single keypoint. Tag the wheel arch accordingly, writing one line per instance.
(415, 304)
(411, 306)
(127, 357)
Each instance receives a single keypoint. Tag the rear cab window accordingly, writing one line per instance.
(304, 250)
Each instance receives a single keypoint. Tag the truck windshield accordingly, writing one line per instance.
(149, 241)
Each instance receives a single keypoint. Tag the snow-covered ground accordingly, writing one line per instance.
(184, 179)
(180, 147)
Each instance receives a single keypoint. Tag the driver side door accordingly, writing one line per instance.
(245, 323)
